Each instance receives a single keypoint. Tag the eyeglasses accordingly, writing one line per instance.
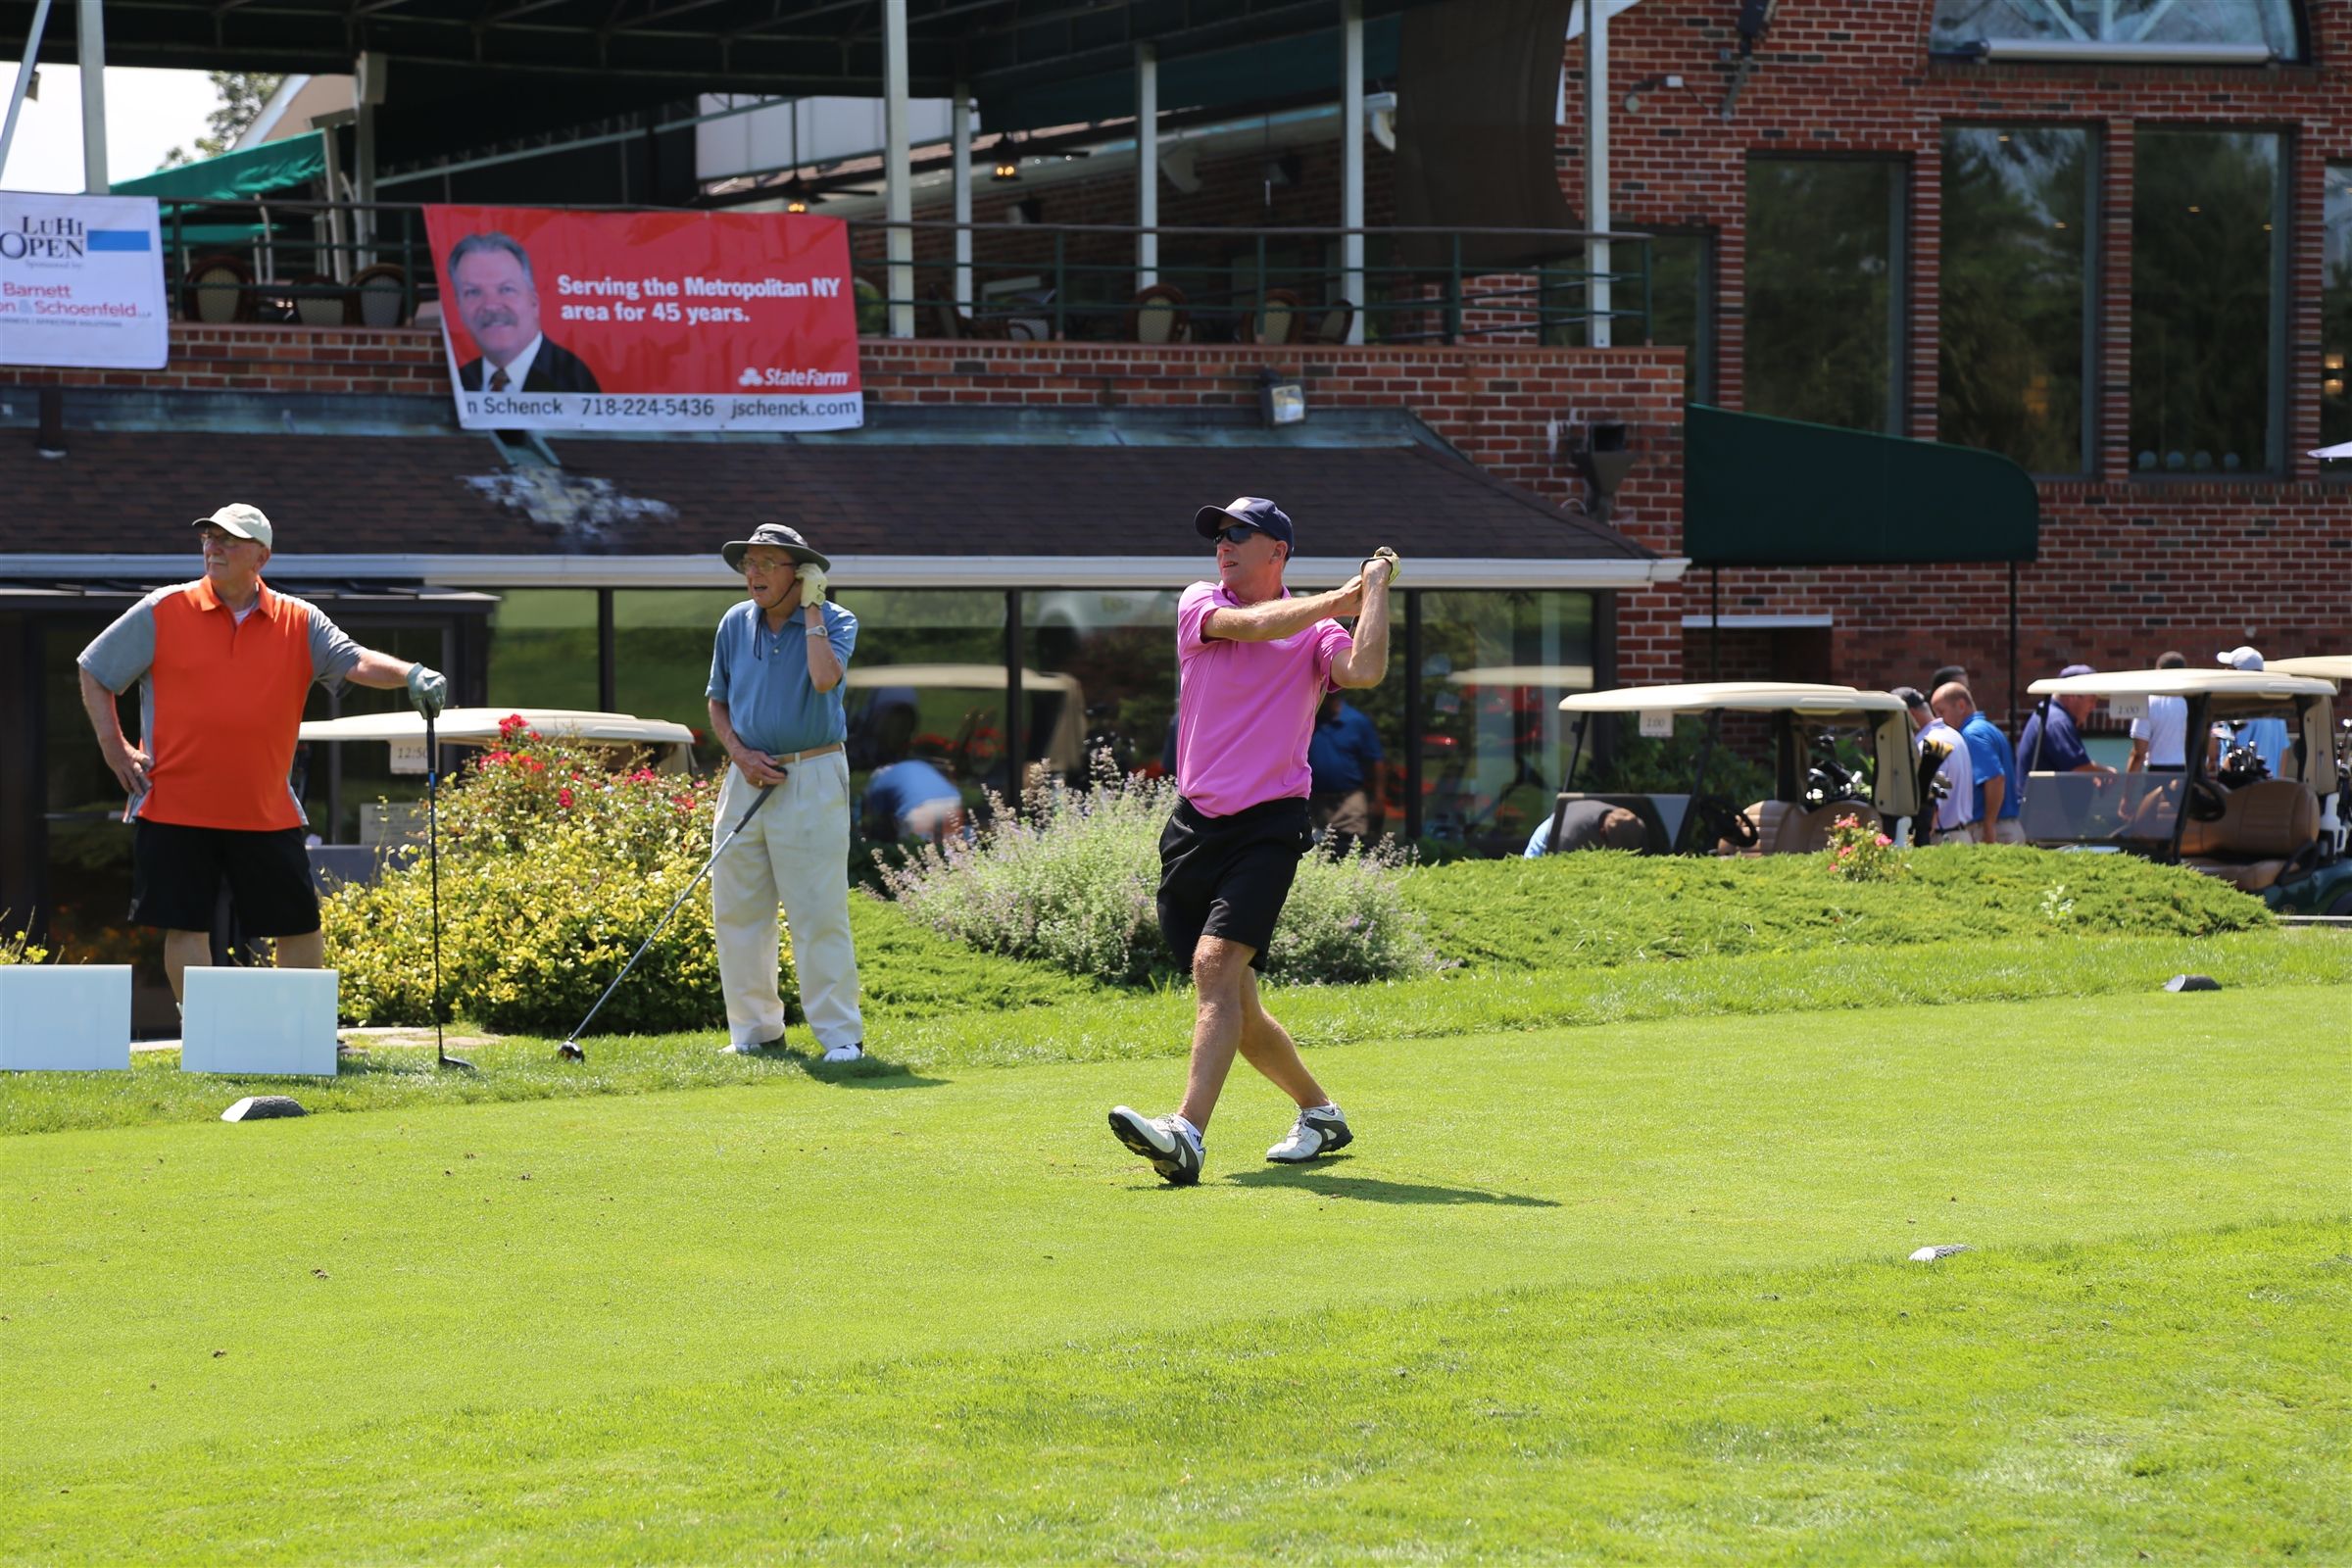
(1239, 533)
(220, 536)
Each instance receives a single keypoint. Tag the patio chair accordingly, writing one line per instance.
(217, 291)
(1158, 316)
(378, 295)
(1277, 318)
(319, 300)
(1333, 328)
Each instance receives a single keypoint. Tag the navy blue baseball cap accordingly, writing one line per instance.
(1252, 512)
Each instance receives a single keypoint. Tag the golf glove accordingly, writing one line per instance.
(428, 690)
(1394, 561)
(812, 584)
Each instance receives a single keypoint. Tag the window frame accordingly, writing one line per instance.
(2122, 51)
(1901, 273)
(2341, 170)
(2277, 437)
(2095, 251)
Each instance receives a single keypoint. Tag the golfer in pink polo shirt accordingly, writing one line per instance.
(1254, 661)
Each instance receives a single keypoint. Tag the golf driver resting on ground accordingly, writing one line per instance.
(1253, 663)
(775, 705)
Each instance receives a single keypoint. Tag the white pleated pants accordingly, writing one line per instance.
(796, 852)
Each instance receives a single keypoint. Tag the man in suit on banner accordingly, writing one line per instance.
(498, 300)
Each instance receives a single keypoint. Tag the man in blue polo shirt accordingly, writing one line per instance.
(1343, 757)
(775, 704)
(1991, 758)
(2052, 742)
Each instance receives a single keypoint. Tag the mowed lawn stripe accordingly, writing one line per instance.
(2182, 1398)
(365, 1269)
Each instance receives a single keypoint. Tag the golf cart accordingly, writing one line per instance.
(2279, 838)
(956, 710)
(1813, 787)
(384, 825)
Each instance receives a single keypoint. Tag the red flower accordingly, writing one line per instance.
(533, 763)
(508, 725)
(564, 798)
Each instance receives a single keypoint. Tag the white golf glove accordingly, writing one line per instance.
(812, 584)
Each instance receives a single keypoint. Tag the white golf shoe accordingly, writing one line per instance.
(839, 1053)
(1315, 1133)
(1169, 1143)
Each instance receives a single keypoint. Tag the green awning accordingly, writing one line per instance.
(1242, 77)
(1765, 492)
(238, 176)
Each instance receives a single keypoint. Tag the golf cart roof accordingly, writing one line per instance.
(1736, 696)
(1553, 677)
(2245, 684)
(479, 726)
(2320, 666)
(972, 677)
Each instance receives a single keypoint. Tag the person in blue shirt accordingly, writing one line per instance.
(912, 799)
(1344, 757)
(1991, 758)
(777, 672)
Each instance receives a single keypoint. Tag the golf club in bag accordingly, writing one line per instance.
(432, 855)
(570, 1050)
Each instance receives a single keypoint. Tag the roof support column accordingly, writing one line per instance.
(960, 142)
(25, 72)
(90, 43)
(1352, 163)
(1147, 165)
(898, 197)
(366, 91)
(1597, 170)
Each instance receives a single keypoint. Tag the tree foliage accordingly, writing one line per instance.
(242, 95)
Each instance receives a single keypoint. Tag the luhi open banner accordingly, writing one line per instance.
(557, 320)
(82, 283)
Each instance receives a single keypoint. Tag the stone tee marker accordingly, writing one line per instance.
(272, 1021)
(56, 1017)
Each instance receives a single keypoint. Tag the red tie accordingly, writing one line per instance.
(498, 381)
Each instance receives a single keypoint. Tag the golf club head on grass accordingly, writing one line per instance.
(569, 1050)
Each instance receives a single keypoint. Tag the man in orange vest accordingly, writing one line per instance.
(225, 665)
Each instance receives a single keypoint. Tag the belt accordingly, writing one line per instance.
(789, 757)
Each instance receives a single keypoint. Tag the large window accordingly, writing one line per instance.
(543, 649)
(2335, 309)
(2117, 25)
(2207, 306)
(927, 683)
(1682, 306)
(1104, 680)
(2013, 307)
(1824, 291)
(1493, 668)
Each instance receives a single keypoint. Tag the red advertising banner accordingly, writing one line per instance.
(558, 321)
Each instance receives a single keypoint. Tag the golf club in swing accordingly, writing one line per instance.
(432, 854)
(570, 1050)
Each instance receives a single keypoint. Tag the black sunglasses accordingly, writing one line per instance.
(1236, 534)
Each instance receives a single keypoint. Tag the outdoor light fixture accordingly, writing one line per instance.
(1007, 168)
(795, 204)
(1280, 398)
(1602, 463)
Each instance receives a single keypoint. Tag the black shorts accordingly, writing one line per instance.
(1226, 877)
(176, 872)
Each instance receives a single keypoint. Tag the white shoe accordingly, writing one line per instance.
(752, 1050)
(1171, 1145)
(1315, 1133)
(845, 1053)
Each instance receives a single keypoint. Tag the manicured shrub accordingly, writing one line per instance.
(553, 867)
(1072, 882)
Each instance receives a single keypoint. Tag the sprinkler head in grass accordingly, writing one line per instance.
(263, 1108)
(2192, 982)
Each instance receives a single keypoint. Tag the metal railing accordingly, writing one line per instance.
(1023, 281)
(1082, 280)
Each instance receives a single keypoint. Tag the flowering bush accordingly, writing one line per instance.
(1073, 881)
(17, 947)
(1860, 853)
(553, 867)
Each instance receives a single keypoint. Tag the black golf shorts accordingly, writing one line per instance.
(176, 872)
(1226, 877)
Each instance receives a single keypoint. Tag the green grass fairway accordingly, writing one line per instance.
(1629, 1293)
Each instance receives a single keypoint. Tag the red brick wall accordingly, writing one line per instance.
(2129, 566)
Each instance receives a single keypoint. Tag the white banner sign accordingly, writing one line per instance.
(82, 283)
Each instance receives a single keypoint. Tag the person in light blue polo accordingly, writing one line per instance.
(776, 672)
(1992, 762)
